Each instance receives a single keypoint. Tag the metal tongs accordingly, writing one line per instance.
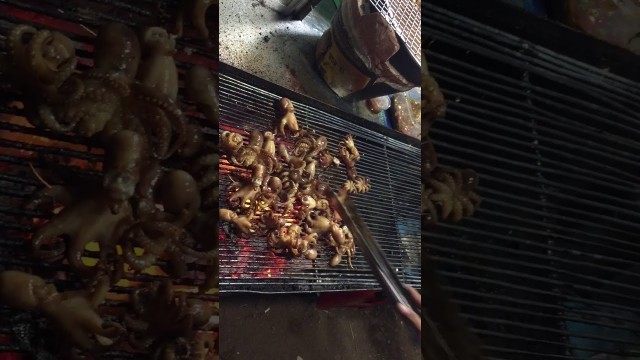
(371, 250)
(380, 265)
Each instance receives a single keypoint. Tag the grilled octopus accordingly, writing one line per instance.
(73, 313)
(453, 192)
(44, 59)
(132, 112)
(288, 121)
(159, 315)
(202, 89)
(447, 194)
(125, 152)
(283, 182)
(196, 10)
(86, 217)
(158, 69)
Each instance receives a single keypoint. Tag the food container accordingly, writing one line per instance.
(361, 56)
(406, 112)
(378, 104)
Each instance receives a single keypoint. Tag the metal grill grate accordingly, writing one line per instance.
(21, 145)
(404, 18)
(548, 267)
(390, 208)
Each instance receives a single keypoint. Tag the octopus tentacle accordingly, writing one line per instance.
(158, 129)
(198, 17)
(111, 81)
(137, 262)
(44, 235)
(46, 117)
(50, 196)
(71, 90)
(178, 265)
(208, 166)
(17, 42)
(212, 280)
(74, 255)
(152, 249)
(165, 103)
(193, 141)
(134, 324)
(47, 72)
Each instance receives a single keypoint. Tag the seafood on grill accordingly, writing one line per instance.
(40, 59)
(193, 141)
(154, 206)
(241, 222)
(158, 69)
(288, 122)
(432, 102)
(447, 194)
(199, 346)
(196, 11)
(117, 53)
(102, 100)
(453, 192)
(349, 155)
(202, 89)
(284, 185)
(158, 314)
(73, 313)
(87, 217)
(342, 240)
(179, 195)
(290, 238)
(124, 154)
(360, 185)
(157, 239)
(317, 224)
(230, 142)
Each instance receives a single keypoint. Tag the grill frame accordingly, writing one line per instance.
(554, 229)
(403, 16)
(259, 105)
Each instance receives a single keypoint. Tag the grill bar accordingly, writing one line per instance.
(390, 208)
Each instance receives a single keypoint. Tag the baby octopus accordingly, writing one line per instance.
(453, 192)
(158, 69)
(93, 101)
(288, 120)
(73, 313)
(43, 59)
(86, 217)
(160, 239)
(158, 314)
(202, 89)
(196, 10)
(284, 182)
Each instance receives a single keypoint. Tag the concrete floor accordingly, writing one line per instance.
(255, 38)
(291, 327)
